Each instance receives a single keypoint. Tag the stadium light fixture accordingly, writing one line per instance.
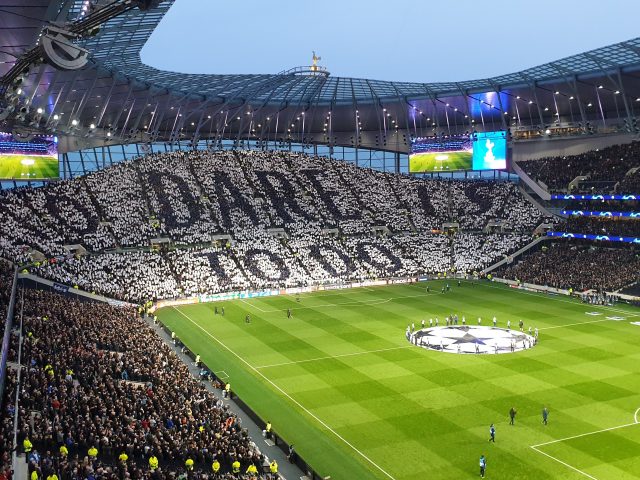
(530, 102)
(557, 93)
(546, 109)
(600, 86)
(74, 122)
(547, 131)
(40, 111)
(617, 92)
(589, 104)
(518, 97)
(92, 126)
(56, 117)
(108, 134)
(571, 98)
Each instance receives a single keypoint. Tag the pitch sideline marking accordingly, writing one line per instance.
(554, 298)
(254, 306)
(333, 356)
(573, 324)
(535, 447)
(312, 415)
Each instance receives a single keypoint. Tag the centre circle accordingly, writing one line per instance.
(472, 339)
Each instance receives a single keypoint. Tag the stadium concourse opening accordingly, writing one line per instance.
(472, 339)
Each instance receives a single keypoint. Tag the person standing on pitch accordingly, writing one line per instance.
(545, 415)
(495, 321)
(512, 415)
(483, 465)
(492, 432)
(288, 313)
(247, 319)
(222, 308)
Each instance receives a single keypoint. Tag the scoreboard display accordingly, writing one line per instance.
(479, 151)
(35, 159)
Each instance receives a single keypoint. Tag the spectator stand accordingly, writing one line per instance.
(276, 448)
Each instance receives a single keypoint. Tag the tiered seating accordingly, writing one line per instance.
(606, 166)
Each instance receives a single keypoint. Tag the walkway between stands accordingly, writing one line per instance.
(287, 470)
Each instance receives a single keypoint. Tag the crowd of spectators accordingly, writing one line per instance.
(102, 396)
(291, 219)
(261, 261)
(617, 226)
(609, 165)
(188, 197)
(630, 184)
(578, 266)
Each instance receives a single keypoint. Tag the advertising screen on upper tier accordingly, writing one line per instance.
(35, 159)
(480, 151)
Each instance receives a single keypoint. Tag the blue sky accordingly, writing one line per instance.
(405, 40)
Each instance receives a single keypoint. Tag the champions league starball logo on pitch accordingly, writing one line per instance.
(470, 339)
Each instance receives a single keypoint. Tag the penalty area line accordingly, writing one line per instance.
(293, 400)
(537, 449)
(565, 464)
(586, 434)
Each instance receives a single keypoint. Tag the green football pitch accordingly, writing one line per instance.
(440, 161)
(29, 167)
(341, 382)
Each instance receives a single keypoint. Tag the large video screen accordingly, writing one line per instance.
(36, 159)
(438, 154)
(490, 151)
(480, 151)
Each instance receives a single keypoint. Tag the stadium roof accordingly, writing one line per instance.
(117, 93)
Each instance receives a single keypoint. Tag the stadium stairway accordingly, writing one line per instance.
(538, 205)
(516, 254)
(539, 189)
(286, 470)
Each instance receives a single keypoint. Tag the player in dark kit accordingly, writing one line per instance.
(492, 432)
(512, 415)
(288, 313)
(483, 465)
(545, 415)
(247, 319)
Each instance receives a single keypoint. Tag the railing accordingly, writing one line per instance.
(7, 335)
(275, 438)
(312, 70)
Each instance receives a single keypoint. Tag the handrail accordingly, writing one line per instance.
(7, 334)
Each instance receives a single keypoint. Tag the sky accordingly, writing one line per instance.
(403, 40)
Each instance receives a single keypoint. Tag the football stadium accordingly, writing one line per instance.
(226, 260)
